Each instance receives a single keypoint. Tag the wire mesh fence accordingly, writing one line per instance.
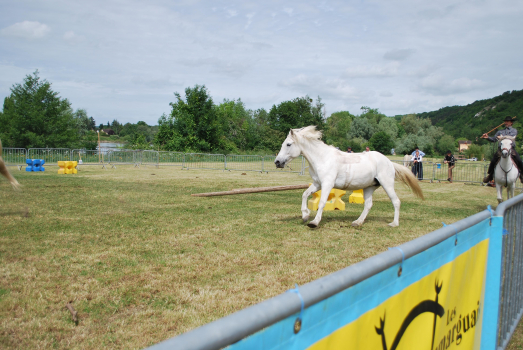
(244, 163)
(150, 158)
(462, 172)
(14, 156)
(171, 158)
(133, 157)
(50, 155)
(511, 294)
(204, 161)
(86, 157)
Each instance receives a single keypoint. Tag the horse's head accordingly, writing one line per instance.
(506, 145)
(289, 150)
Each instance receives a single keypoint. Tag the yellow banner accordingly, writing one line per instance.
(440, 311)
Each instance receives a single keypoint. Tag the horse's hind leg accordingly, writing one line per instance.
(367, 196)
(389, 189)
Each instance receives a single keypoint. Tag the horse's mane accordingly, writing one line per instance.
(309, 132)
(511, 138)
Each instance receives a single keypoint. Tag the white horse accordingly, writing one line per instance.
(407, 160)
(5, 172)
(331, 168)
(506, 172)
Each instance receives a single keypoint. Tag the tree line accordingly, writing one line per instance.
(34, 115)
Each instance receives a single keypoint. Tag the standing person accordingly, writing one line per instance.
(417, 150)
(417, 168)
(508, 131)
(367, 149)
(449, 159)
(349, 150)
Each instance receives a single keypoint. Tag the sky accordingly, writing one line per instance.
(125, 60)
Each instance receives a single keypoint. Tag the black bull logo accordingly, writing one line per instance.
(424, 306)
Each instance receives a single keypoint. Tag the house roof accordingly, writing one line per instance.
(465, 142)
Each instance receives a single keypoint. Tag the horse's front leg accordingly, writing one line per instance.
(325, 191)
(510, 190)
(305, 212)
(499, 190)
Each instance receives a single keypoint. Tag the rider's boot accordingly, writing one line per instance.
(492, 166)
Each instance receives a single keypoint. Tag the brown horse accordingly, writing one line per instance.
(5, 172)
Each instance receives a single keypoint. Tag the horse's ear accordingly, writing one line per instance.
(292, 133)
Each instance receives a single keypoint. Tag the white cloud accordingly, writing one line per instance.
(288, 11)
(389, 70)
(324, 87)
(26, 30)
(398, 54)
(438, 85)
(232, 13)
(249, 19)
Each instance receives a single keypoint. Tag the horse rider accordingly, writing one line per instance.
(508, 131)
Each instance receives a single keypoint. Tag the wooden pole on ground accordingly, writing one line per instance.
(252, 190)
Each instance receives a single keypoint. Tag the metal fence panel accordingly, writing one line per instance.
(463, 172)
(511, 301)
(50, 155)
(124, 157)
(171, 158)
(86, 157)
(244, 163)
(150, 157)
(204, 161)
(14, 156)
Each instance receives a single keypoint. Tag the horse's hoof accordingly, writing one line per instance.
(394, 224)
(305, 219)
(355, 224)
(312, 225)
(500, 200)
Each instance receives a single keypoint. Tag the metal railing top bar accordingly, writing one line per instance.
(502, 207)
(241, 324)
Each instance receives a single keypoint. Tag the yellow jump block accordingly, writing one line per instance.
(356, 197)
(67, 167)
(334, 201)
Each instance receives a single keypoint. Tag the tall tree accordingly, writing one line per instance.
(297, 113)
(35, 116)
(192, 124)
(337, 129)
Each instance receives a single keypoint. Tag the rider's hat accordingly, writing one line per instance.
(508, 119)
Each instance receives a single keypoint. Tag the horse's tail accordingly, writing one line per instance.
(405, 175)
(5, 172)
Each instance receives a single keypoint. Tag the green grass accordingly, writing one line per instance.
(141, 260)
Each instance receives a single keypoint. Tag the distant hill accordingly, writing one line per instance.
(473, 120)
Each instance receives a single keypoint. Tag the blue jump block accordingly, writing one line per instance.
(35, 165)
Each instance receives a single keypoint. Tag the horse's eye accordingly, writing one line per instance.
(288, 145)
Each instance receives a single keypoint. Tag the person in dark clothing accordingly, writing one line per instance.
(417, 167)
(449, 159)
(508, 131)
(349, 150)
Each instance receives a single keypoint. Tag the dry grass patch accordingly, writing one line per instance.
(141, 260)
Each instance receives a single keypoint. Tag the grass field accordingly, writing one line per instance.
(141, 260)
